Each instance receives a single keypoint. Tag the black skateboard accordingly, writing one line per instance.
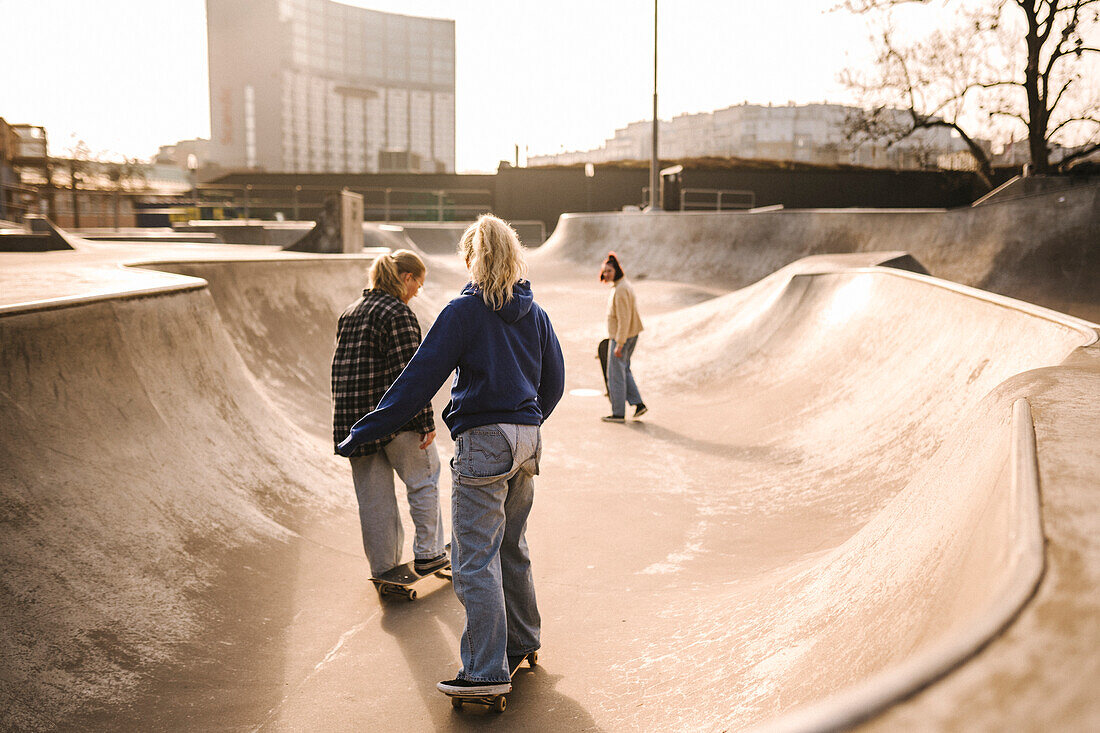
(601, 352)
(496, 703)
(399, 581)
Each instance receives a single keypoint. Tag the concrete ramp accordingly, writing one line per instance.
(281, 315)
(38, 234)
(138, 454)
(832, 504)
(1042, 248)
(898, 503)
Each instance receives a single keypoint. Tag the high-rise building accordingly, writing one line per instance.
(320, 87)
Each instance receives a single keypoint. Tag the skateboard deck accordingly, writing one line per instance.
(496, 703)
(399, 581)
(601, 352)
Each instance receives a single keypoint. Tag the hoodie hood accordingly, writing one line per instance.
(516, 308)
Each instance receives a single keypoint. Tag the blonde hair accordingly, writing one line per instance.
(385, 272)
(495, 258)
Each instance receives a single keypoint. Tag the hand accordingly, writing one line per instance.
(426, 440)
(345, 448)
(618, 352)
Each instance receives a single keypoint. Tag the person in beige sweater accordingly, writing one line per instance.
(623, 326)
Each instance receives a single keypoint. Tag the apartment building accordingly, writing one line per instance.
(810, 133)
(315, 86)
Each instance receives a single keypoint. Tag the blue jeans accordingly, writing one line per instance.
(620, 381)
(383, 535)
(493, 487)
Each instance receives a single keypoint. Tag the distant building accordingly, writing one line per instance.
(811, 133)
(23, 151)
(178, 153)
(320, 87)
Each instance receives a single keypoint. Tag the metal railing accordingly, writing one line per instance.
(716, 199)
(17, 200)
(379, 203)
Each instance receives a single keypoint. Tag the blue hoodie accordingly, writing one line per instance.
(509, 369)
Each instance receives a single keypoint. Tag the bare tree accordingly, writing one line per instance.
(79, 163)
(125, 175)
(1031, 62)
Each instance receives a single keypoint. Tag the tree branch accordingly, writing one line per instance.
(1070, 121)
(1058, 97)
(1052, 13)
(862, 7)
(1002, 113)
(985, 168)
(1086, 150)
(992, 84)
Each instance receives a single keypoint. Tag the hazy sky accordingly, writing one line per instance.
(129, 75)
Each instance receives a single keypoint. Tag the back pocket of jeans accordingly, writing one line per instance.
(485, 452)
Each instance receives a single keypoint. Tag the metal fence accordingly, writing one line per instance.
(379, 204)
(17, 200)
(716, 199)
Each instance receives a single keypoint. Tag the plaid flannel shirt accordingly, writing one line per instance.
(376, 337)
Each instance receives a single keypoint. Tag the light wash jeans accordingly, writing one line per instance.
(493, 487)
(383, 535)
(620, 380)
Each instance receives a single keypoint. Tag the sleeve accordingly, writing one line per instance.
(552, 379)
(623, 307)
(612, 317)
(422, 377)
(339, 359)
(405, 340)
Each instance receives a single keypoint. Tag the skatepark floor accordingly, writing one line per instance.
(825, 489)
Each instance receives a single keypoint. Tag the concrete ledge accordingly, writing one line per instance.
(861, 702)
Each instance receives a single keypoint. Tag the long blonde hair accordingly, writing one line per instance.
(494, 257)
(385, 272)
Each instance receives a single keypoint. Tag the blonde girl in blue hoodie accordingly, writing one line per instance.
(510, 375)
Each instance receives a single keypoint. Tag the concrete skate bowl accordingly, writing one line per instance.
(910, 546)
(1042, 248)
(826, 509)
(149, 452)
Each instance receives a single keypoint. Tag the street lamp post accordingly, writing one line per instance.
(589, 173)
(193, 175)
(654, 163)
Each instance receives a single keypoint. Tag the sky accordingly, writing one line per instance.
(127, 76)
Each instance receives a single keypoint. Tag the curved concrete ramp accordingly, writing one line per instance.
(1040, 248)
(832, 503)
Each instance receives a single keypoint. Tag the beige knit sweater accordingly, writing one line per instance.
(623, 320)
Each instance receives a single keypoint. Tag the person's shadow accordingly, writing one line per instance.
(428, 631)
(746, 453)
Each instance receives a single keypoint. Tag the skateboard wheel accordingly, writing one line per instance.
(456, 703)
(499, 704)
(411, 595)
(533, 658)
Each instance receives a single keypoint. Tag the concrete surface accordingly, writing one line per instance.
(1042, 248)
(833, 504)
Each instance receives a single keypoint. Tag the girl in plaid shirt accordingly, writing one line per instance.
(377, 336)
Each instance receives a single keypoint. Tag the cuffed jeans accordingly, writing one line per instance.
(383, 535)
(492, 491)
(621, 387)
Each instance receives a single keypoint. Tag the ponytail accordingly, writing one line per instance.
(385, 273)
(494, 257)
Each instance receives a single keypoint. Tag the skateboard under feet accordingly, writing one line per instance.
(496, 703)
(397, 583)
